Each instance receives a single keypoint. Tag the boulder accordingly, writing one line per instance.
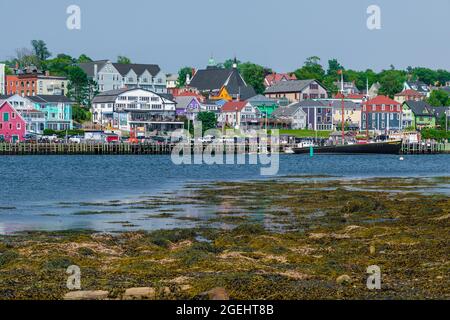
(143, 293)
(344, 279)
(86, 295)
(215, 294)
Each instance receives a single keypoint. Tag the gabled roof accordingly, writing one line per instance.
(419, 86)
(337, 104)
(5, 97)
(287, 111)
(260, 100)
(49, 99)
(123, 69)
(277, 77)
(111, 95)
(214, 79)
(139, 69)
(354, 96)
(184, 101)
(88, 67)
(2, 104)
(408, 92)
(310, 103)
(233, 106)
(379, 100)
(210, 79)
(420, 107)
(440, 111)
(289, 86)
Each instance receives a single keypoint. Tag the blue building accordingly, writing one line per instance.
(57, 111)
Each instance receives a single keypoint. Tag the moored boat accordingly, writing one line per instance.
(389, 147)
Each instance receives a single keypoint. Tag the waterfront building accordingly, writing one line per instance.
(239, 114)
(292, 116)
(418, 115)
(381, 114)
(114, 76)
(221, 84)
(135, 110)
(32, 81)
(57, 110)
(188, 106)
(319, 114)
(297, 90)
(265, 105)
(12, 125)
(35, 119)
(352, 113)
(409, 95)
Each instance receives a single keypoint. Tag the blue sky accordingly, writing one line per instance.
(279, 34)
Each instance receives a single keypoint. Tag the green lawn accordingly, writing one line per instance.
(306, 133)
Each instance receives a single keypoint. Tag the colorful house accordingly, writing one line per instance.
(297, 90)
(418, 115)
(265, 105)
(292, 117)
(188, 106)
(273, 78)
(12, 125)
(409, 95)
(35, 119)
(57, 110)
(319, 114)
(239, 114)
(381, 114)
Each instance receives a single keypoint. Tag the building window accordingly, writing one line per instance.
(5, 116)
(18, 126)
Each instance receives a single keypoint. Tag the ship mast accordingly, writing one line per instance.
(367, 111)
(343, 106)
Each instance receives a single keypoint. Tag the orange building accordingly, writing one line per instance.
(24, 85)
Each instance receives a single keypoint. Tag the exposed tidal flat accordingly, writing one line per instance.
(294, 236)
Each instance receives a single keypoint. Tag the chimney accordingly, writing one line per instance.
(47, 73)
(95, 71)
(188, 79)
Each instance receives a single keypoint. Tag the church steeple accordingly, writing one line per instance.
(211, 62)
(235, 63)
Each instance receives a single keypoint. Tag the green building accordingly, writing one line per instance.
(418, 115)
(265, 105)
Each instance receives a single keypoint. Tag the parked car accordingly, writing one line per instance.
(30, 138)
(76, 139)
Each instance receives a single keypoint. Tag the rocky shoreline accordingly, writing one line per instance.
(288, 238)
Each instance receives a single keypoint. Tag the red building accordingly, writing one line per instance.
(24, 85)
(381, 114)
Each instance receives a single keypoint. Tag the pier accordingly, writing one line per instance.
(166, 148)
(432, 147)
(114, 148)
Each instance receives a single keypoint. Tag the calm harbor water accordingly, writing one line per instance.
(63, 192)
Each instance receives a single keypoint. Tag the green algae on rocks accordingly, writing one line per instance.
(284, 239)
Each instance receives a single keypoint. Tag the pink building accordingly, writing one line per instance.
(12, 125)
